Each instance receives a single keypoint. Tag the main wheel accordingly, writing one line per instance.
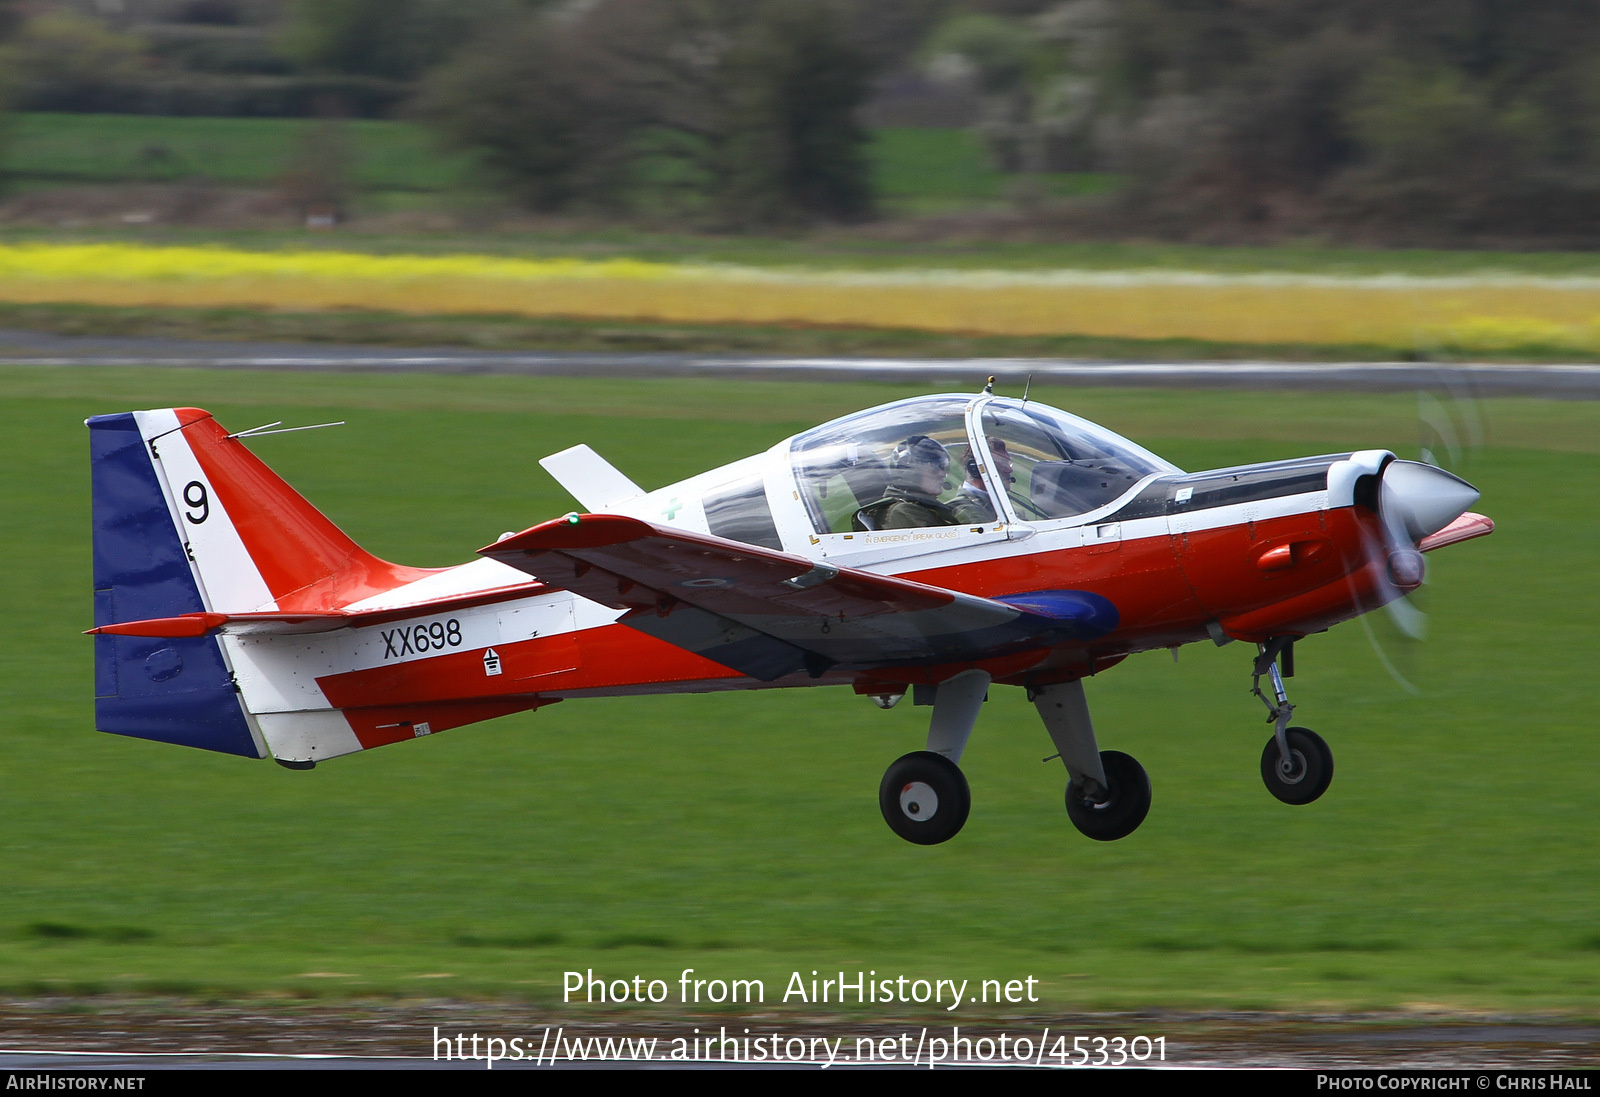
(924, 798)
(1309, 770)
(1119, 812)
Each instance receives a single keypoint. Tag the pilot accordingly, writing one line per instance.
(912, 500)
(974, 504)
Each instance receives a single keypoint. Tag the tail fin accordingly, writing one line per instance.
(188, 520)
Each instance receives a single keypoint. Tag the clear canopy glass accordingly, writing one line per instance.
(917, 462)
(1061, 466)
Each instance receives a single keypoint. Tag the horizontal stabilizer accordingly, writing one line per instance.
(261, 624)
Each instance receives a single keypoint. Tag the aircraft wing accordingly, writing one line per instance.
(766, 613)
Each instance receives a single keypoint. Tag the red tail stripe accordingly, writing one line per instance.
(376, 727)
(306, 561)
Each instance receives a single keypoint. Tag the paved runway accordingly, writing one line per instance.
(134, 1037)
(1575, 381)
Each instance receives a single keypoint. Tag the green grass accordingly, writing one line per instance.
(936, 168)
(1449, 866)
(915, 170)
(926, 170)
(117, 148)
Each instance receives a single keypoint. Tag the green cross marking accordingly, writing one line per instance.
(673, 508)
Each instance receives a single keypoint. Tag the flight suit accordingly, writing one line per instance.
(901, 509)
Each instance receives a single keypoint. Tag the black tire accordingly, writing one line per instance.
(905, 793)
(1126, 803)
(1310, 773)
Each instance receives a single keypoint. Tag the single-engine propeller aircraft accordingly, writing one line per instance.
(938, 546)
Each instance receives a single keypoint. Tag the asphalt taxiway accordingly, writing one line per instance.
(1572, 381)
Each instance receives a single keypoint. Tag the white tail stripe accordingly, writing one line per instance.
(229, 580)
(468, 578)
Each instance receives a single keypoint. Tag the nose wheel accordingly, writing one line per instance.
(1305, 775)
(1296, 764)
(924, 798)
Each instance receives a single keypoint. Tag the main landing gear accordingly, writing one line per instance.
(924, 795)
(1108, 793)
(1296, 765)
(924, 798)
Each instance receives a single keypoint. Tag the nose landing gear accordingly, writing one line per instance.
(1305, 775)
(1296, 765)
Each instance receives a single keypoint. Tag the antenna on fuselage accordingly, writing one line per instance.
(1026, 386)
(988, 390)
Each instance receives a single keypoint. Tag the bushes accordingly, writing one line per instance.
(791, 146)
(741, 113)
(61, 61)
(65, 61)
(386, 39)
(540, 101)
(1433, 121)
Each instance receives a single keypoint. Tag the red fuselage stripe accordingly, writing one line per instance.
(1290, 574)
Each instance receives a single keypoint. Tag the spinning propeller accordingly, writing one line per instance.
(1417, 499)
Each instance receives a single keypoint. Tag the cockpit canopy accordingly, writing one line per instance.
(881, 468)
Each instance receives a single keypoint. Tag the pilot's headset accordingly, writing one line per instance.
(971, 463)
(917, 451)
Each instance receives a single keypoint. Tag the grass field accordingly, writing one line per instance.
(1449, 867)
(915, 170)
(119, 148)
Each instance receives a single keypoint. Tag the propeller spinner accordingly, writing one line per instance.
(1416, 501)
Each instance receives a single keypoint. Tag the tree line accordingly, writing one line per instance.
(1431, 122)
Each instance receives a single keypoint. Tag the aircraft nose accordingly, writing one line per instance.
(1422, 499)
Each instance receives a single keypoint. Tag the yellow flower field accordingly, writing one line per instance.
(1483, 312)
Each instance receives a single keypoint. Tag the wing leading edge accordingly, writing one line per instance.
(768, 614)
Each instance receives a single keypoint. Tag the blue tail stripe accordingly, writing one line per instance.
(170, 690)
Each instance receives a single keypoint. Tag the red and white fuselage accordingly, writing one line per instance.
(763, 573)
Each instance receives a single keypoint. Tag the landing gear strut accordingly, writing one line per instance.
(1108, 793)
(1296, 765)
(924, 796)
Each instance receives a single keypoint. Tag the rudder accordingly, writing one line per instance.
(172, 690)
